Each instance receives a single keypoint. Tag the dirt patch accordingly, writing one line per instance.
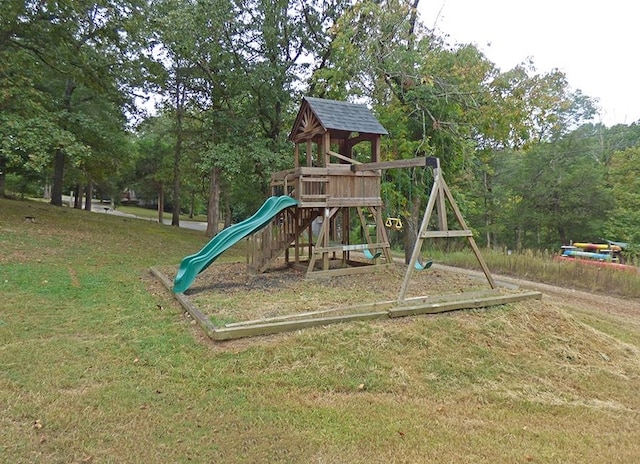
(227, 294)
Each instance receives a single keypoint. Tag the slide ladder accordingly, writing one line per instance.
(272, 241)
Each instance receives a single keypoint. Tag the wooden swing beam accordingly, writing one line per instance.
(403, 163)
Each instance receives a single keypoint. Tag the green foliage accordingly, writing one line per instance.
(62, 87)
(516, 145)
(553, 191)
(624, 179)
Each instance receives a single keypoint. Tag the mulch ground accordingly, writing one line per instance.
(227, 293)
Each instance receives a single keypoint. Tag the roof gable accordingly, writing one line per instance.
(318, 115)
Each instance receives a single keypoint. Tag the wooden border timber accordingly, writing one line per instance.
(376, 310)
(475, 303)
(193, 311)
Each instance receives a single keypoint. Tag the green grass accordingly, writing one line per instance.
(98, 364)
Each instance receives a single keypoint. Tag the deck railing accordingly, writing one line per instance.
(335, 185)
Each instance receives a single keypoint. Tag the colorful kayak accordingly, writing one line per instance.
(597, 246)
(587, 254)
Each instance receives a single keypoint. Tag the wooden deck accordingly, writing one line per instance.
(333, 186)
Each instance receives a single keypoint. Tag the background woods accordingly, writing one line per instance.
(189, 105)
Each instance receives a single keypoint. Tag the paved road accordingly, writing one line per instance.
(103, 208)
(195, 225)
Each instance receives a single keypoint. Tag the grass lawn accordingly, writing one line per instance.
(98, 364)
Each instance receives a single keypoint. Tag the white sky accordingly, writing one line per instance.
(594, 43)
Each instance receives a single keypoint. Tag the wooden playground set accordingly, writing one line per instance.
(328, 195)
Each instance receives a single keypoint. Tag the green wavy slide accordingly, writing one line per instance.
(193, 265)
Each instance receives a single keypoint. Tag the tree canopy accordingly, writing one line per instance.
(522, 152)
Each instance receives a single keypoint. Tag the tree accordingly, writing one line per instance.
(241, 61)
(563, 193)
(70, 48)
(428, 95)
(153, 159)
(624, 180)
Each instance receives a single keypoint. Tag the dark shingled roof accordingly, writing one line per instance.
(345, 116)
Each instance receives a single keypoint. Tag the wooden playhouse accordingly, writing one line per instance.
(332, 188)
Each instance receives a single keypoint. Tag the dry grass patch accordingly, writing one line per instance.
(227, 294)
(110, 370)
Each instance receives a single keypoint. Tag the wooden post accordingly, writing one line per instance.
(309, 153)
(326, 147)
(418, 245)
(440, 202)
(375, 149)
(346, 222)
(326, 223)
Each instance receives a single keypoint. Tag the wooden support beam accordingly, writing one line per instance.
(324, 149)
(446, 233)
(363, 269)
(230, 333)
(440, 193)
(343, 158)
(353, 247)
(197, 315)
(405, 163)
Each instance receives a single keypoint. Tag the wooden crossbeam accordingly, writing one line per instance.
(354, 247)
(343, 158)
(405, 163)
(446, 233)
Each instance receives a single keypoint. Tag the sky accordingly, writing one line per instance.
(594, 43)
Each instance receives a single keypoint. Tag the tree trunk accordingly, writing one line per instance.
(88, 194)
(58, 177)
(563, 235)
(177, 152)
(3, 169)
(413, 18)
(227, 211)
(175, 217)
(411, 228)
(160, 203)
(59, 157)
(213, 208)
(77, 200)
(488, 207)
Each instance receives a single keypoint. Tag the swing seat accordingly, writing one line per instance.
(393, 223)
(422, 265)
(371, 256)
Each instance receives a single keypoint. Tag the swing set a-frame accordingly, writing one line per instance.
(438, 198)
